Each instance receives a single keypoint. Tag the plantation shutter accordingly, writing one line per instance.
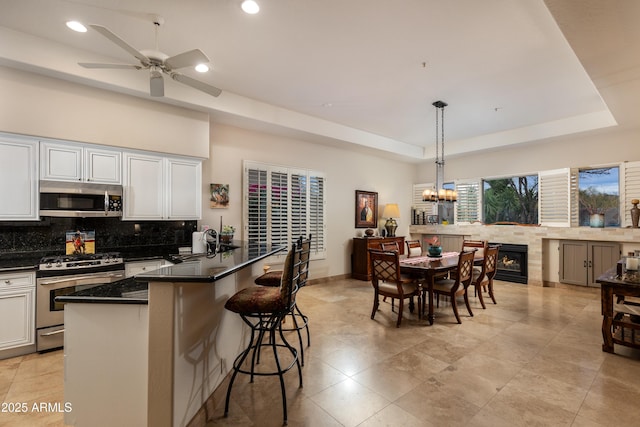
(317, 213)
(282, 204)
(630, 177)
(468, 206)
(558, 198)
(255, 203)
(279, 207)
(299, 204)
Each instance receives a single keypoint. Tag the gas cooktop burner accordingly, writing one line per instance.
(84, 261)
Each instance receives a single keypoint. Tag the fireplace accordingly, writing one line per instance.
(512, 263)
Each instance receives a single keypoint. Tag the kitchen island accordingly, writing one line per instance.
(160, 358)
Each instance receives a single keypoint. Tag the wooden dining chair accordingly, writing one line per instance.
(389, 246)
(454, 288)
(387, 281)
(479, 246)
(414, 248)
(484, 279)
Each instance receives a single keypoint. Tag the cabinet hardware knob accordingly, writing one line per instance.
(7, 282)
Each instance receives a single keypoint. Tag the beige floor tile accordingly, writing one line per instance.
(392, 415)
(440, 406)
(417, 363)
(350, 402)
(562, 370)
(387, 381)
(548, 389)
(519, 408)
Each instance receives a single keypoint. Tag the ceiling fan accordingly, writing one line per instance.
(158, 63)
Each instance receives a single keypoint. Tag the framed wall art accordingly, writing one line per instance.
(366, 209)
(219, 196)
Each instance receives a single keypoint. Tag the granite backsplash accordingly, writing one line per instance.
(131, 238)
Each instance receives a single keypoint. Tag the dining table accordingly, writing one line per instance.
(427, 268)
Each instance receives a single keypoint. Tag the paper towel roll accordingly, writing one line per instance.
(198, 243)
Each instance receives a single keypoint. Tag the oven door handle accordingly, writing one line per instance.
(94, 276)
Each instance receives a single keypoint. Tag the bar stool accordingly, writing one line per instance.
(263, 309)
(273, 278)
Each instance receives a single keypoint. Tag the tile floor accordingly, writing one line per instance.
(533, 359)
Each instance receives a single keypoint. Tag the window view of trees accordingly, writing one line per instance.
(599, 194)
(512, 199)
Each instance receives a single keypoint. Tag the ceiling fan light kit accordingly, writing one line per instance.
(158, 63)
(250, 6)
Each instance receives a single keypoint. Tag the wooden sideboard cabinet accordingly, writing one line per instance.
(360, 264)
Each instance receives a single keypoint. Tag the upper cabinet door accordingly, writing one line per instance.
(18, 180)
(60, 162)
(143, 179)
(75, 162)
(102, 166)
(184, 192)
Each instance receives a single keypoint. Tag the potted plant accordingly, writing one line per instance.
(226, 235)
(434, 249)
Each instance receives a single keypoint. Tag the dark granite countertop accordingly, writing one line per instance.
(232, 258)
(126, 291)
(187, 268)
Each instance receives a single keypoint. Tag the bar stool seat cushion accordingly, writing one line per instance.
(256, 299)
(270, 278)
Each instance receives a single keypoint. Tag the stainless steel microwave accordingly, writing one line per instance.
(80, 199)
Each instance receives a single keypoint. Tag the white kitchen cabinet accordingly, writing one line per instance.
(102, 166)
(184, 195)
(161, 188)
(17, 310)
(62, 161)
(18, 179)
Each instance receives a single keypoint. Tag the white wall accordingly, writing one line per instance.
(591, 149)
(31, 104)
(346, 171)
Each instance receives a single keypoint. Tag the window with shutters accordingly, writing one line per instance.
(281, 204)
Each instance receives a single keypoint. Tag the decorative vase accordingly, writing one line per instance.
(635, 213)
(435, 250)
(226, 238)
(596, 220)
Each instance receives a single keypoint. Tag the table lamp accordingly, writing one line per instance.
(391, 211)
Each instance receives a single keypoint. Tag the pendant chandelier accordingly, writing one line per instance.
(439, 194)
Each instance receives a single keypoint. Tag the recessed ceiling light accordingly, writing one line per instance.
(202, 68)
(76, 26)
(250, 7)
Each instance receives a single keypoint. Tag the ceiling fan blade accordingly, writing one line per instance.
(156, 84)
(123, 44)
(211, 90)
(186, 59)
(96, 65)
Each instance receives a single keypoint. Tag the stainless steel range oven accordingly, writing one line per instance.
(64, 275)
